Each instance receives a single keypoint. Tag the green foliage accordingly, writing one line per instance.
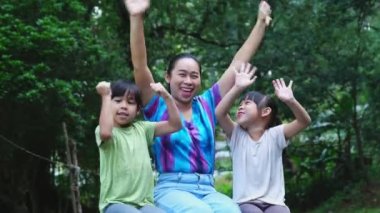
(51, 60)
(359, 197)
(223, 184)
(52, 54)
(224, 164)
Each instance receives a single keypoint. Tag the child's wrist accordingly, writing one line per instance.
(291, 100)
(106, 95)
(239, 88)
(261, 21)
(167, 97)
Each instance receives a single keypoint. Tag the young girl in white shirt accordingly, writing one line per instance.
(256, 140)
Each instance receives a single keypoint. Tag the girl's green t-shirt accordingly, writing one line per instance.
(126, 174)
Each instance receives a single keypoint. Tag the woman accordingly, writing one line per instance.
(185, 159)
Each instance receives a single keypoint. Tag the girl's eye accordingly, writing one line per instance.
(131, 100)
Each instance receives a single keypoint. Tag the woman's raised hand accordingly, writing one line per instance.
(264, 12)
(136, 7)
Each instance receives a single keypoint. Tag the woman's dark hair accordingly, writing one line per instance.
(120, 87)
(263, 101)
(174, 60)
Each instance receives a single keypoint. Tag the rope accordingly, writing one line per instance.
(70, 166)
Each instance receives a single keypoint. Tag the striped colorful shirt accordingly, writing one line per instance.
(191, 149)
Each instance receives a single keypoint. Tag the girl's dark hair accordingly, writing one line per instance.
(174, 60)
(263, 101)
(120, 87)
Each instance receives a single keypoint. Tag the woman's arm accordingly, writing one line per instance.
(302, 118)
(243, 79)
(106, 117)
(142, 74)
(174, 122)
(248, 49)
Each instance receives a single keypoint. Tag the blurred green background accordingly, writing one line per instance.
(52, 54)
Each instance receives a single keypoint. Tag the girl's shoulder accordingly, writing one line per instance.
(279, 129)
(143, 123)
(276, 134)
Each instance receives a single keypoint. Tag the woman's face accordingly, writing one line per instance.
(184, 80)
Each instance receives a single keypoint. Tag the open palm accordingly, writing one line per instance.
(244, 76)
(136, 7)
(283, 92)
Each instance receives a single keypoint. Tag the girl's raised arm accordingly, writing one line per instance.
(142, 74)
(285, 94)
(174, 122)
(244, 77)
(106, 117)
(248, 49)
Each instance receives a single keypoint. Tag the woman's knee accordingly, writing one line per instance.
(185, 207)
(181, 201)
(229, 207)
(221, 203)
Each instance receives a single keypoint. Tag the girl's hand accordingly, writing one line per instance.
(264, 12)
(283, 92)
(136, 7)
(160, 90)
(103, 88)
(245, 76)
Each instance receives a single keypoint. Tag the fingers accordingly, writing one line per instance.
(268, 19)
(103, 84)
(246, 71)
(136, 7)
(275, 84)
(235, 70)
(103, 88)
(155, 86)
(290, 84)
(158, 88)
(280, 83)
(245, 68)
(252, 71)
(266, 10)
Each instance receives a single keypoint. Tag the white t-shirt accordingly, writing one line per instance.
(257, 166)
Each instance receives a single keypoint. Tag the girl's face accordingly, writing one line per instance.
(124, 109)
(184, 80)
(247, 113)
